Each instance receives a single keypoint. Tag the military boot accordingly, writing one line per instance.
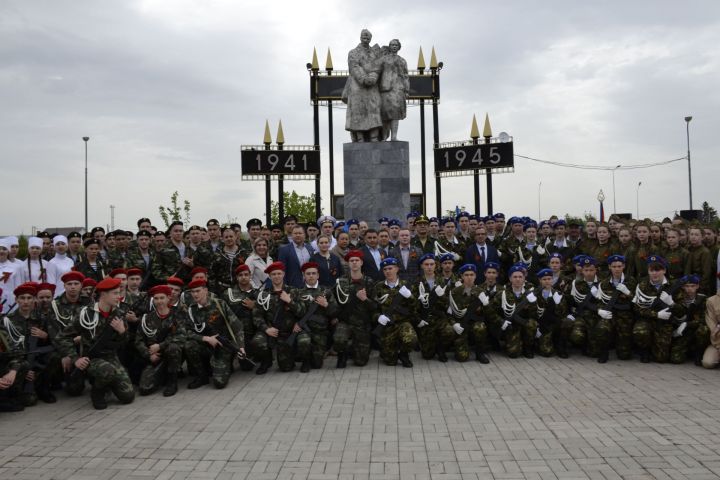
(10, 404)
(562, 349)
(603, 356)
(405, 360)
(440, 350)
(305, 367)
(171, 387)
(97, 396)
(698, 358)
(645, 355)
(341, 360)
(528, 352)
(480, 356)
(264, 366)
(198, 382)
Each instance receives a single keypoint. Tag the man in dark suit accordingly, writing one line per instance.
(480, 252)
(372, 256)
(294, 255)
(407, 256)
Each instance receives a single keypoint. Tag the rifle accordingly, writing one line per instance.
(394, 308)
(228, 344)
(76, 375)
(37, 351)
(470, 314)
(303, 323)
(516, 318)
(675, 287)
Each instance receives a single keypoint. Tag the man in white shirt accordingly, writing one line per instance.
(60, 264)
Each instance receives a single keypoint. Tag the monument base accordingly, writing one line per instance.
(377, 180)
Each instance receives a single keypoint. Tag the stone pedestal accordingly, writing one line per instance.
(377, 180)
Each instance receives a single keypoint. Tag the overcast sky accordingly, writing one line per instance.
(168, 90)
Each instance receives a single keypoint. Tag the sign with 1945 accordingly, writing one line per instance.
(469, 157)
(257, 161)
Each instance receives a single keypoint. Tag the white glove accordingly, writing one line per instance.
(664, 314)
(439, 291)
(405, 292)
(484, 299)
(449, 311)
(383, 320)
(667, 299)
(557, 298)
(458, 328)
(499, 253)
(458, 283)
(505, 325)
(456, 257)
(537, 333)
(622, 288)
(540, 250)
(571, 318)
(422, 324)
(531, 297)
(680, 329)
(595, 292)
(606, 314)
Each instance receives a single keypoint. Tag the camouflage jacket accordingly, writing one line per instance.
(319, 320)
(97, 273)
(117, 259)
(647, 301)
(215, 318)
(700, 263)
(222, 269)
(12, 355)
(351, 309)
(17, 329)
(548, 312)
(89, 325)
(235, 297)
(162, 331)
(270, 311)
(429, 303)
(63, 312)
(401, 311)
(505, 305)
(677, 262)
(428, 247)
(461, 299)
(623, 303)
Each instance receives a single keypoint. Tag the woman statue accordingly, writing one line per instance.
(394, 90)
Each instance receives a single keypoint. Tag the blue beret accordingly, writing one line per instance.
(530, 224)
(462, 214)
(499, 216)
(446, 256)
(447, 220)
(493, 265)
(433, 219)
(557, 255)
(514, 220)
(427, 256)
(412, 214)
(473, 217)
(516, 268)
(587, 260)
(394, 222)
(578, 259)
(340, 224)
(388, 261)
(560, 223)
(615, 258)
(467, 267)
(383, 220)
(542, 223)
(545, 272)
(690, 279)
(352, 221)
(656, 259)
(489, 218)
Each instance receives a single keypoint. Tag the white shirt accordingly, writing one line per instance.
(8, 282)
(32, 273)
(60, 265)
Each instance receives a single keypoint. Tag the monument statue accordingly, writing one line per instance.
(375, 91)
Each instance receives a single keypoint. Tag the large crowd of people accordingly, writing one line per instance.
(131, 312)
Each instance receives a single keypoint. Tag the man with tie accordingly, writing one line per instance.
(480, 252)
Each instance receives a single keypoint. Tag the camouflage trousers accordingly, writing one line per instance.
(153, 374)
(642, 333)
(662, 341)
(312, 345)
(552, 335)
(286, 357)
(624, 323)
(396, 337)
(105, 374)
(15, 390)
(699, 337)
(198, 353)
(438, 334)
(592, 333)
(517, 338)
(355, 339)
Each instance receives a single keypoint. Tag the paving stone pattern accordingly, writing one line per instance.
(512, 419)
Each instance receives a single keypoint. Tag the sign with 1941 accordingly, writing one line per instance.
(290, 162)
(468, 157)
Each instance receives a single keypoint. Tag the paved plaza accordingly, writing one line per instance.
(512, 419)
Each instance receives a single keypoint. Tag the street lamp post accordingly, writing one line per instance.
(613, 175)
(539, 186)
(85, 139)
(687, 129)
(637, 200)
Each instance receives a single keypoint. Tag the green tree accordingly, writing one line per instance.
(709, 215)
(175, 212)
(302, 206)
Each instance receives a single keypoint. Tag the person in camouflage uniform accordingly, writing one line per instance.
(434, 332)
(692, 335)
(467, 317)
(512, 245)
(396, 316)
(159, 342)
(276, 313)
(615, 294)
(511, 316)
(446, 276)
(141, 257)
(354, 296)
(560, 279)
(551, 311)
(699, 261)
(422, 239)
(25, 328)
(531, 252)
(13, 368)
(175, 259)
(592, 328)
(675, 255)
(226, 259)
(214, 333)
(102, 331)
(312, 340)
(447, 242)
(241, 299)
(656, 312)
(92, 264)
(601, 250)
(637, 260)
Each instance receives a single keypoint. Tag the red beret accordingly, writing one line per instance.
(275, 266)
(89, 282)
(197, 270)
(175, 281)
(307, 265)
(353, 254)
(242, 268)
(196, 284)
(25, 289)
(134, 272)
(107, 284)
(117, 271)
(46, 286)
(72, 277)
(164, 289)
